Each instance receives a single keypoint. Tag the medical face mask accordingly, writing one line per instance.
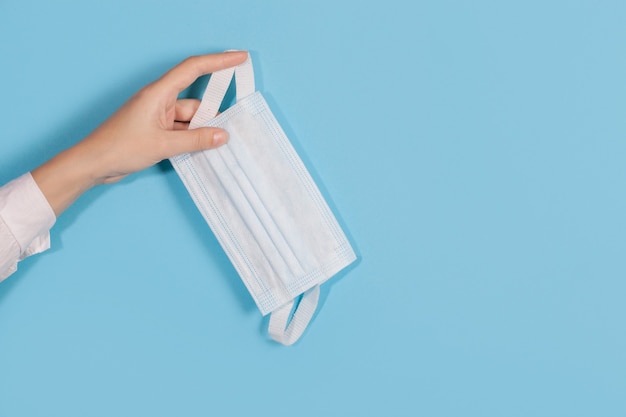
(263, 206)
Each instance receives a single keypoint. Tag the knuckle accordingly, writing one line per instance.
(146, 91)
(192, 61)
(199, 140)
(193, 140)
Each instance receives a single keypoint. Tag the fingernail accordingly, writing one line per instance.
(220, 138)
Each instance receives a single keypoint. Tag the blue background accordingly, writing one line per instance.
(474, 151)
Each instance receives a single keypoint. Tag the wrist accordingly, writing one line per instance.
(64, 178)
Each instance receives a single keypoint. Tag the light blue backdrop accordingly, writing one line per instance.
(475, 152)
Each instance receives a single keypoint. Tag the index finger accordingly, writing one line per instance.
(185, 73)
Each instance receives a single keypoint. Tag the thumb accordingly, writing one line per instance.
(193, 140)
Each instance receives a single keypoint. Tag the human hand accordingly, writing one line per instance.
(150, 127)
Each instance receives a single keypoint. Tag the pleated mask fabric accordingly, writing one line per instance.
(263, 206)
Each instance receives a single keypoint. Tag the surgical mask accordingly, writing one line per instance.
(263, 206)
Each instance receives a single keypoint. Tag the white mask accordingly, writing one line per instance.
(263, 206)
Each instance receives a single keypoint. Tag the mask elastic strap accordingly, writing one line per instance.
(289, 334)
(216, 90)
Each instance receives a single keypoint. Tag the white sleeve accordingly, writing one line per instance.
(25, 222)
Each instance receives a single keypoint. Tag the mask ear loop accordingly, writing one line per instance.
(216, 90)
(289, 334)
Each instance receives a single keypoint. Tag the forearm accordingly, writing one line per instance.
(65, 177)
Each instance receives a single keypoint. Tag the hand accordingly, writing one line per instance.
(150, 127)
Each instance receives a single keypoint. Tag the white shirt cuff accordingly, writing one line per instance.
(27, 216)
